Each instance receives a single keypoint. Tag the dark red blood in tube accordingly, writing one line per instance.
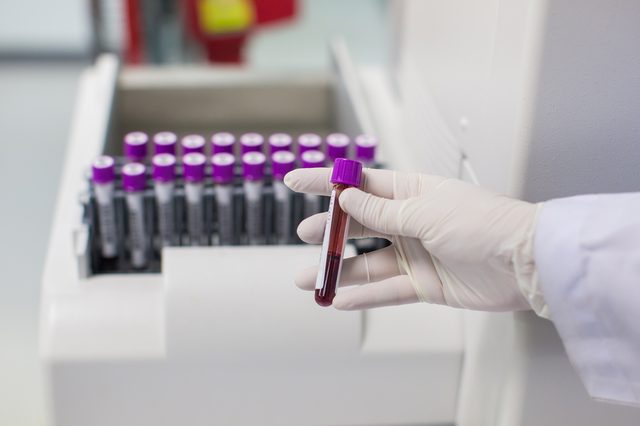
(337, 238)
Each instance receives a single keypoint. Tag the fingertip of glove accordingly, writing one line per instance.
(306, 278)
(291, 179)
(308, 232)
(348, 197)
(343, 302)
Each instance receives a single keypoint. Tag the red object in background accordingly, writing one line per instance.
(228, 48)
(270, 11)
(134, 43)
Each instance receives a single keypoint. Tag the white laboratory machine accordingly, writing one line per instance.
(535, 99)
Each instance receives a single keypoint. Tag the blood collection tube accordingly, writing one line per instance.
(222, 142)
(309, 142)
(165, 143)
(282, 163)
(280, 142)
(345, 174)
(366, 149)
(193, 170)
(193, 143)
(310, 159)
(222, 174)
(135, 146)
(337, 146)
(134, 181)
(164, 175)
(251, 142)
(103, 177)
(253, 173)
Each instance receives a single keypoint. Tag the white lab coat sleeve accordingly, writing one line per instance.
(587, 253)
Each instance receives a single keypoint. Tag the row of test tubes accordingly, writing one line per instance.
(224, 173)
(335, 145)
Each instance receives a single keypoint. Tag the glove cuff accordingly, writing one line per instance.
(526, 271)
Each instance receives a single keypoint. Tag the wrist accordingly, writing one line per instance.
(525, 267)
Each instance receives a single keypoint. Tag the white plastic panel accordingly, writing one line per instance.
(227, 302)
(106, 319)
(426, 134)
(475, 62)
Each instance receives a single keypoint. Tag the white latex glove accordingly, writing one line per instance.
(453, 243)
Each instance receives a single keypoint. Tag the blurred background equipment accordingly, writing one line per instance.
(173, 31)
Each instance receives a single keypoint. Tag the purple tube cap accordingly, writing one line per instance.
(222, 142)
(337, 144)
(280, 142)
(134, 177)
(253, 165)
(334, 152)
(309, 141)
(165, 143)
(223, 164)
(164, 167)
(282, 163)
(346, 172)
(103, 170)
(193, 166)
(312, 158)
(366, 147)
(135, 145)
(193, 143)
(251, 142)
(338, 139)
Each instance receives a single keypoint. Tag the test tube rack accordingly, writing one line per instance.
(121, 264)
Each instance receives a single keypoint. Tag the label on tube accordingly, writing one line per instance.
(137, 234)
(194, 192)
(226, 222)
(253, 202)
(223, 174)
(134, 183)
(166, 212)
(325, 242)
(103, 177)
(107, 219)
(283, 211)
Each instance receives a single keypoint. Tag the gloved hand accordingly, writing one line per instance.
(453, 243)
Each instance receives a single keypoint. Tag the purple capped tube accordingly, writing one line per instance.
(164, 175)
(103, 177)
(135, 146)
(251, 142)
(337, 146)
(193, 143)
(366, 149)
(165, 143)
(222, 142)
(280, 142)
(365, 152)
(253, 164)
(309, 142)
(193, 166)
(345, 174)
(134, 182)
(311, 159)
(223, 165)
(282, 162)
